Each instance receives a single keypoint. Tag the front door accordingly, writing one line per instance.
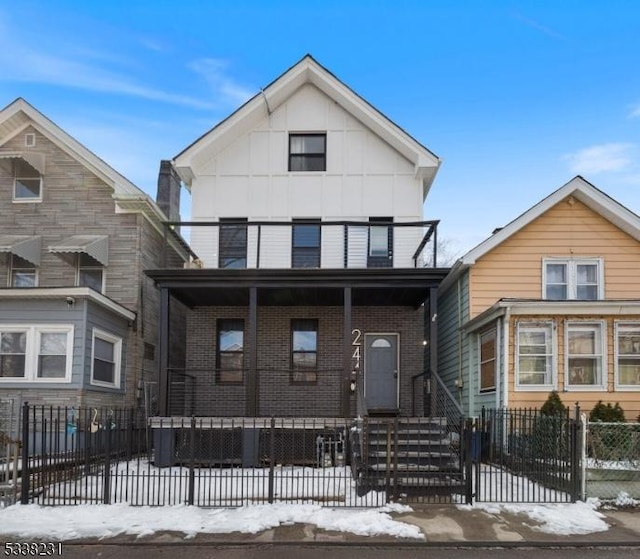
(381, 371)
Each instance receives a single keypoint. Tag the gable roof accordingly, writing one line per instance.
(305, 71)
(577, 187)
(19, 114)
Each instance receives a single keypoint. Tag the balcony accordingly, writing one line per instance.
(305, 243)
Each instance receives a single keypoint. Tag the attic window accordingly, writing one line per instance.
(307, 152)
(29, 140)
(28, 182)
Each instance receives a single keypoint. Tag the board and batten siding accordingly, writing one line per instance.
(249, 178)
(569, 229)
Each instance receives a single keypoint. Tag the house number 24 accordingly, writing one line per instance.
(356, 343)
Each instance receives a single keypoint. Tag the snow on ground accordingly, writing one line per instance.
(565, 519)
(104, 521)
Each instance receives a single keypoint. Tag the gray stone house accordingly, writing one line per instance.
(78, 317)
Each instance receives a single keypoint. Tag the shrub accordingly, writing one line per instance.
(606, 413)
(609, 442)
(553, 405)
(550, 430)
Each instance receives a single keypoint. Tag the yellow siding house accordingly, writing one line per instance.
(549, 302)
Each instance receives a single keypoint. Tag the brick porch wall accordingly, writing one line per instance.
(277, 394)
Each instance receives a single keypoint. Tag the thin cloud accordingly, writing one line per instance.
(635, 111)
(600, 158)
(86, 69)
(539, 26)
(214, 73)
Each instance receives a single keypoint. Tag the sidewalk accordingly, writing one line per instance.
(440, 525)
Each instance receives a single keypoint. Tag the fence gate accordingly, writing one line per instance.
(522, 456)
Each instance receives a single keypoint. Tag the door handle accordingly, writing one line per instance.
(395, 374)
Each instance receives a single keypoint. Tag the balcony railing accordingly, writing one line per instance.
(308, 243)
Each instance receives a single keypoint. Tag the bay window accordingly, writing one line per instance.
(36, 353)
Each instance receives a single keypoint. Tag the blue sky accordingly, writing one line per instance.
(516, 97)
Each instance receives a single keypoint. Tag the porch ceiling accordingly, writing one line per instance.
(226, 287)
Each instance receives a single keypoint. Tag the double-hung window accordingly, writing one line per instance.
(581, 279)
(13, 353)
(106, 359)
(627, 356)
(307, 152)
(535, 356)
(52, 355)
(304, 350)
(232, 243)
(230, 355)
(23, 273)
(488, 357)
(36, 353)
(90, 272)
(585, 355)
(27, 182)
(305, 250)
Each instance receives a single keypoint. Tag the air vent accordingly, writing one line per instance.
(30, 140)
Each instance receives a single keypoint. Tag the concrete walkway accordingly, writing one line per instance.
(441, 526)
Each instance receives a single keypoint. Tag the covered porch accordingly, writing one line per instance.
(294, 343)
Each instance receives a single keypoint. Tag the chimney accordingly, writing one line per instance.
(168, 198)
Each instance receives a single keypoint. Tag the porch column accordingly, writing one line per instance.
(163, 352)
(251, 404)
(345, 392)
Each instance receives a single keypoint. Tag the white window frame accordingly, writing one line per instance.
(590, 325)
(13, 268)
(494, 388)
(32, 351)
(572, 275)
(550, 330)
(29, 199)
(117, 358)
(628, 327)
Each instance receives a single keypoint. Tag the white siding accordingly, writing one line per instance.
(365, 177)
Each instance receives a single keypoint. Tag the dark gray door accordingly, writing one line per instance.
(381, 371)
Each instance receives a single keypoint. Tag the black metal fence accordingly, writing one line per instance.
(74, 456)
(69, 455)
(525, 456)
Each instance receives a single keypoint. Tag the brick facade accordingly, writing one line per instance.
(277, 394)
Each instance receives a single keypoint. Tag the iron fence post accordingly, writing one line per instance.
(192, 461)
(24, 495)
(468, 464)
(395, 459)
(272, 458)
(106, 494)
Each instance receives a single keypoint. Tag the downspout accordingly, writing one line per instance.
(266, 101)
(499, 359)
(505, 356)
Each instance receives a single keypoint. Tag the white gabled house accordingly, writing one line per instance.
(314, 266)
